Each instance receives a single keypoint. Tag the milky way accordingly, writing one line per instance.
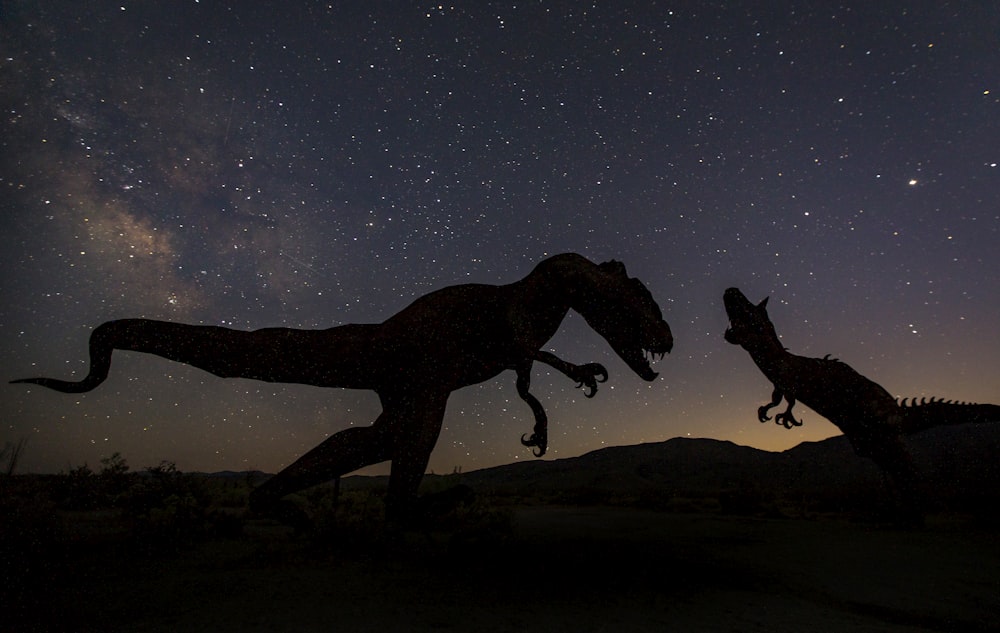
(307, 165)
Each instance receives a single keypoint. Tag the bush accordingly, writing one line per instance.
(78, 490)
(32, 542)
(745, 501)
(165, 507)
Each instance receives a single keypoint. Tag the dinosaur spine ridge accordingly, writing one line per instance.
(924, 401)
(922, 414)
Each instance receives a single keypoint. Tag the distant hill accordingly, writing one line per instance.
(960, 468)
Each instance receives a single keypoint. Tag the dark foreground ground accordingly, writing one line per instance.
(547, 568)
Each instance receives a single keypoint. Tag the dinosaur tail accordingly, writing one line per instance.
(271, 354)
(101, 347)
(206, 347)
(925, 414)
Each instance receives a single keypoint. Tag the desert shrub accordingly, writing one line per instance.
(32, 541)
(354, 523)
(28, 519)
(662, 500)
(82, 489)
(465, 520)
(78, 489)
(745, 501)
(166, 507)
(114, 478)
(11, 454)
(351, 520)
(176, 519)
(350, 526)
(851, 501)
(581, 497)
(223, 524)
(229, 493)
(479, 520)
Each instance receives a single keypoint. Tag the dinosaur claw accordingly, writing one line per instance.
(600, 373)
(787, 420)
(588, 376)
(535, 440)
(589, 387)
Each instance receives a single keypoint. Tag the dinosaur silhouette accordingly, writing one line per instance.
(448, 339)
(873, 421)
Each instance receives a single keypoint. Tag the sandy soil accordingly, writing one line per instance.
(562, 569)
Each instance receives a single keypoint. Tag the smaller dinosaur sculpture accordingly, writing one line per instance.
(873, 421)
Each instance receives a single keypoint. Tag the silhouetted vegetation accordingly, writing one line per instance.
(113, 522)
(11, 454)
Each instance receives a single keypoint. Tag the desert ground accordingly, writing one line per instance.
(540, 567)
(683, 535)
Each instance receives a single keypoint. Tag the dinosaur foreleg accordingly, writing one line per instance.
(776, 397)
(343, 452)
(540, 434)
(586, 376)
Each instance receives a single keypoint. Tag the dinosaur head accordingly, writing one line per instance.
(623, 311)
(746, 320)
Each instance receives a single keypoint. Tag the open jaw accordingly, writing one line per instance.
(638, 359)
(738, 309)
(736, 303)
(730, 334)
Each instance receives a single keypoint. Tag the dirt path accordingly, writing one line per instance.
(563, 569)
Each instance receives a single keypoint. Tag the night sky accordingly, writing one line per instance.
(306, 164)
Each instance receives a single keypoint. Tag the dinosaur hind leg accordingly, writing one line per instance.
(895, 461)
(341, 453)
(405, 433)
(413, 443)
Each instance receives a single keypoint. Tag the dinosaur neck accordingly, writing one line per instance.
(563, 282)
(767, 351)
(547, 292)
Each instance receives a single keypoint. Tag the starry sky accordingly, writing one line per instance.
(310, 164)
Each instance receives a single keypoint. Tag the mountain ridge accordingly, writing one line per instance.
(954, 463)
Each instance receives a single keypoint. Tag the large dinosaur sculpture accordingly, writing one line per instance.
(448, 339)
(873, 421)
